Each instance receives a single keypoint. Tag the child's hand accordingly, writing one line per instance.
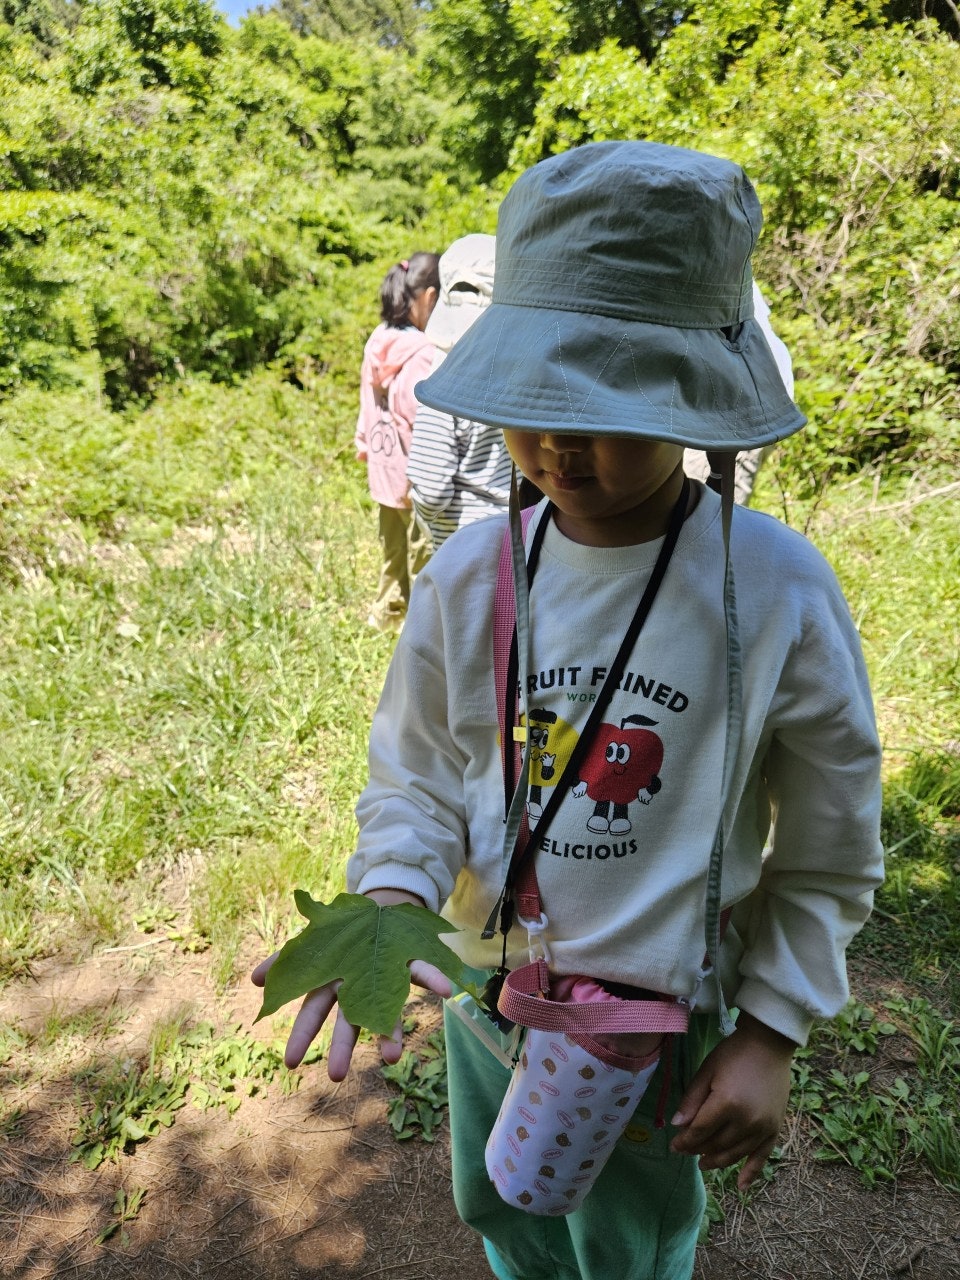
(736, 1102)
(316, 1007)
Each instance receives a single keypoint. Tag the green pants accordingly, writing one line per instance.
(642, 1216)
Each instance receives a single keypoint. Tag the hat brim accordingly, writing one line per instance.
(537, 369)
(450, 320)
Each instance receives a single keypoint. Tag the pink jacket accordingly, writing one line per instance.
(394, 361)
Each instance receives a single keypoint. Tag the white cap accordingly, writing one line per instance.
(779, 351)
(466, 288)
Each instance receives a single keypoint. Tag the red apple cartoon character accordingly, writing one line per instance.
(621, 765)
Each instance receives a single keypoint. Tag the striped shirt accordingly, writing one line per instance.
(458, 470)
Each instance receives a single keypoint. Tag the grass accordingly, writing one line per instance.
(184, 703)
(877, 1121)
(183, 691)
(892, 537)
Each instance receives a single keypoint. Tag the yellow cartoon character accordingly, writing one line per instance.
(551, 744)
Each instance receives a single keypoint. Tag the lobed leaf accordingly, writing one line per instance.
(364, 946)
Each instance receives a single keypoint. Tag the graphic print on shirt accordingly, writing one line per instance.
(621, 765)
(384, 437)
(551, 744)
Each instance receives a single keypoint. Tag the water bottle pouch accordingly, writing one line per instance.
(570, 1097)
(525, 999)
(561, 1117)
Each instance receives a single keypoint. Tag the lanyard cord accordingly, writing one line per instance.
(513, 662)
(521, 856)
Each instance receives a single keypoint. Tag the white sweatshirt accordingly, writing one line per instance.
(627, 904)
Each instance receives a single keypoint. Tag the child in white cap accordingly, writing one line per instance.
(459, 470)
(713, 843)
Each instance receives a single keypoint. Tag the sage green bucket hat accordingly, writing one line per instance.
(623, 305)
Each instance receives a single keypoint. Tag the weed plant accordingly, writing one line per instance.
(420, 1078)
(867, 1116)
(122, 1104)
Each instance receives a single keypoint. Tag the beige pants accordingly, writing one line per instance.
(406, 549)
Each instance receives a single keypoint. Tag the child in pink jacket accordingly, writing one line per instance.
(396, 357)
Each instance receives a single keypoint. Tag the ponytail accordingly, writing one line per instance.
(403, 282)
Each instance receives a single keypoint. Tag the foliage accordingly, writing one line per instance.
(943, 12)
(848, 127)
(388, 22)
(421, 1079)
(489, 65)
(880, 1125)
(499, 57)
(169, 42)
(128, 1103)
(368, 948)
(126, 1206)
(226, 1066)
(896, 526)
(129, 1106)
(876, 1089)
(920, 898)
(43, 20)
(175, 196)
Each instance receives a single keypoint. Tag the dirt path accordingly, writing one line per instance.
(311, 1184)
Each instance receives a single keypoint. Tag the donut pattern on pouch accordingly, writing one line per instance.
(562, 1114)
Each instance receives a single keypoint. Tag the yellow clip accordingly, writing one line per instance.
(519, 733)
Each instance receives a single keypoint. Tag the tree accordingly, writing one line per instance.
(392, 23)
(41, 19)
(177, 196)
(170, 40)
(496, 58)
(848, 126)
(946, 13)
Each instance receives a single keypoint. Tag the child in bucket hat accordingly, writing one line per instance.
(708, 837)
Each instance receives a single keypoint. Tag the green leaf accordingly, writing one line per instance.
(131, 1130)
(109, 1230)
(368, 948)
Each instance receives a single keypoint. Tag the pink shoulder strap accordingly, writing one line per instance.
(504, 621)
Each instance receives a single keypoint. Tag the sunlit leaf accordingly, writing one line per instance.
(365, 946)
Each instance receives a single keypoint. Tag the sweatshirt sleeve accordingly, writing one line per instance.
(822, 772)
(413, 830)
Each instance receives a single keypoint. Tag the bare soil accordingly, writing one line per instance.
(312, 1184)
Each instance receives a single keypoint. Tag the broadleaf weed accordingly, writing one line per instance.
(876, 1125)
(421, 1078)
